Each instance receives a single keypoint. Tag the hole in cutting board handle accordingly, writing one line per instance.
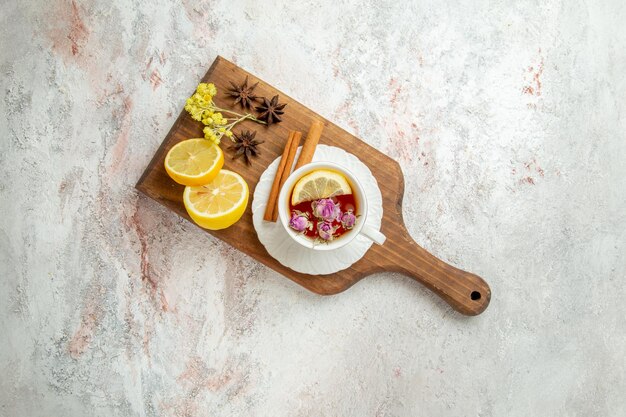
(475, 295)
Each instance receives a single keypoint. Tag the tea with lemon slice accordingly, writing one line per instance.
(322, 205)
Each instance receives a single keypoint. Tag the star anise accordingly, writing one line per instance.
(271, 110)
(246, 145)
(242, 93)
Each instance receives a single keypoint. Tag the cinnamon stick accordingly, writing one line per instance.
(308, 148)
(291, 156)
(273, 197)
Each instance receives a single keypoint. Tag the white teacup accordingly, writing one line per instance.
(361, 226)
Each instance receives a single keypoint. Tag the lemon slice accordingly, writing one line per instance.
(321, 183)
(194, 161)
(218, 204)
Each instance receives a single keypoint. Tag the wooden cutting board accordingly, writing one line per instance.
(465, 292)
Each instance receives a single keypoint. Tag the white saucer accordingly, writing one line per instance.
(295, 256)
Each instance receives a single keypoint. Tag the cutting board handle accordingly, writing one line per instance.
(467, 293)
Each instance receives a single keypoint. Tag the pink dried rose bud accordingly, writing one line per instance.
(299, 221)
(348, 219)
(325, 230)
(325, 209)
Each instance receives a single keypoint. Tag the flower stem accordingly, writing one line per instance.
(214, 107)
(241, 116)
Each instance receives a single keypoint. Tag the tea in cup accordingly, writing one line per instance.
(323, 207)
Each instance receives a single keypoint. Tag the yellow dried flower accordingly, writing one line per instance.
(209, 134)
(202, 108)
(218, 119)
(202, 88)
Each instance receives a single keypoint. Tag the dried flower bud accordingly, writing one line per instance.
(325, 209)
(348, 219)
(299, 222)
(325, 230)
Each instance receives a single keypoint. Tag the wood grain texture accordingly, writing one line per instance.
(465, 292)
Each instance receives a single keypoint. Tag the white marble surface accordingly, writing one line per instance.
(506, 117)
